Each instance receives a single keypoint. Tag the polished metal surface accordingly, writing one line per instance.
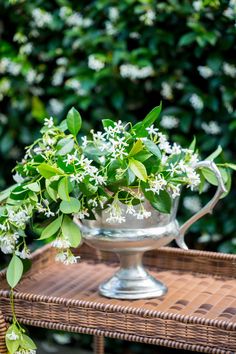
(133, 237)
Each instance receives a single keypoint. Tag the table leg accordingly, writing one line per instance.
(98, 345)
(3, 328)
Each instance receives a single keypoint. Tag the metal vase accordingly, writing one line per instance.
(132, 238)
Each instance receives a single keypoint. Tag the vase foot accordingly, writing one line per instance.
(132, 289)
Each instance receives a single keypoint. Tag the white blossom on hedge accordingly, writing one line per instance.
(41, 17)
(113, 13)
(229, 70)
(94, 63)
(148, 18)
(205, 71)
(212, 127)
(166, 91)
(169, 122)
(56, 106)
(134, 72)
(197, 5)
(192, 203)
(196, 102)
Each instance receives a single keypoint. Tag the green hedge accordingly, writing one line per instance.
(117, 60)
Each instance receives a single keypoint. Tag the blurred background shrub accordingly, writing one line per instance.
(118, 60)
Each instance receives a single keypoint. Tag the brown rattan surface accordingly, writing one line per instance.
(198, 313)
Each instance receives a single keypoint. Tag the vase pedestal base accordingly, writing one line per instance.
(132, 281)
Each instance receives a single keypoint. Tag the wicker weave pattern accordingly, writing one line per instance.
(3, 329)
(198, 313)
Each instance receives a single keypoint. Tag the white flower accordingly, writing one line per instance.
(71, 158)
(196, 102)
(193, 179)
(3, 119)
(83, 213)
(113, 13)
(3, 227)
(24, 254)
(143, 214)
(95, 63)
(174, 190)
(133, 72)
(76, 86)
(18, 178)
(164, 144)
(169, 122)
(66, 258)
(157, 184)
(56, 106)
(151, 130)
(192, 203)
(49, 213)
(41, 17)
(75, 19)
(174, 169)
(166, 91)
(48, 122)
(26, 48)
(12, 336)
(148, 17)
(115, 213)
(176, 149)
(197, 5)
(98, 179)
(58, 76)
(229, 70)
(61, 242)
(78, 177)
(212, 127)
(205, 71)
(62, 61)
(110, 29)
(130, 210)
(18, 218)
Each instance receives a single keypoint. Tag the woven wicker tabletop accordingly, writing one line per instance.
(198, 313)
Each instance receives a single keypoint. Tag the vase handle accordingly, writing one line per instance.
(208, 208)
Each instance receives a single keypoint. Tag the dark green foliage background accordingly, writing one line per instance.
(179, 39)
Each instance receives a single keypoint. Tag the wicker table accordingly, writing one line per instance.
(198, 313)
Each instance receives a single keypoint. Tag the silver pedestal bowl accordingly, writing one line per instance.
(131, 239)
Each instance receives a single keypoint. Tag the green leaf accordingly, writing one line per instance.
(140, 127)
(34, 187)
(137, 147)
(210, 176)
(74, 121)
(71, 231)
(215, 154)
(187, 38)
(63, 189)
(48, 171)
(51, 229)
(65, 146)
(51, 192)
(229, 165)
(6, 193)
(193, 144)
(138, 169)
(71, 206)
(14, 271)
(108, 123)
(12, 345)
(152, 116)
(27, 343)
(152, 147)
(161, 202)
(19, 193)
